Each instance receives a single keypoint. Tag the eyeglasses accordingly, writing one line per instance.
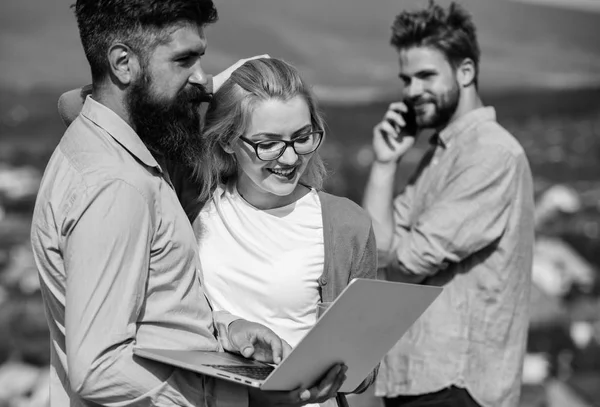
(270, 150)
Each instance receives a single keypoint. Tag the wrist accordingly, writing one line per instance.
(224, 333)
(231, 326)
(385, 166)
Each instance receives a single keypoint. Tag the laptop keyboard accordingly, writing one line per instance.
(253, 372)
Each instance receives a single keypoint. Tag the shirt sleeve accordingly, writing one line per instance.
(106, 255)
(401, 216)
(402, 205)
(470, 213)
(222, 320)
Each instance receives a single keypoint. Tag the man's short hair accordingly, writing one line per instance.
(451, 31)
(140, 24)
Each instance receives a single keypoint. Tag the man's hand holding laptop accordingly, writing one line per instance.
(255, 341)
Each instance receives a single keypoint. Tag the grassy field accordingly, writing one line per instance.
(560, 131)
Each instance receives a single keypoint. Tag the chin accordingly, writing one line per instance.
(428, 121)
(281, 189)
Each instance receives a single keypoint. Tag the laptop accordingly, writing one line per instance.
(358, 329)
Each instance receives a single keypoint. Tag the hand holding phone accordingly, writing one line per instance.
(395, 134)
(410, 120)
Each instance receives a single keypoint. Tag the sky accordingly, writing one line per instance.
(586, 5)
(341, 46)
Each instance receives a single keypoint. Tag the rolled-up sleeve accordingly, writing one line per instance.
(106, 254)
(222, 319)
(470, 213)
(401, 216)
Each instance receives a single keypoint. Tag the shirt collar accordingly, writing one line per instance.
(114, 125)
(463, 124)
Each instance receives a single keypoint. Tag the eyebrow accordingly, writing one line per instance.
(426, 71)
(188, 53)
(267, 134)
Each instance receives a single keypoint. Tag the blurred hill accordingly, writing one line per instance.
(340, 45)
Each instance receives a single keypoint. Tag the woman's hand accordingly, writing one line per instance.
(327, 388)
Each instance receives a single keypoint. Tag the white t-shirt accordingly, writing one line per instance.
(263, 265)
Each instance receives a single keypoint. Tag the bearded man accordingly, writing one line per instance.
(116, 254)
(464, 221)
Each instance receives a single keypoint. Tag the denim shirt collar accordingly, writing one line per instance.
(463, 124)
(118, 129)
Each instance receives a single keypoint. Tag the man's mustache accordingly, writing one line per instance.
(420, 100)
(197, 94)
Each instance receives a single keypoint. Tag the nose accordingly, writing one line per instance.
(198, 76)
(289, 156)
(414, 89)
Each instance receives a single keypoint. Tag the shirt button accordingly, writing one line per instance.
(323, 281)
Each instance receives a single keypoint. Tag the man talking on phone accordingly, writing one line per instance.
(464, 221)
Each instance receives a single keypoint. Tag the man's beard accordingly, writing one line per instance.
(168, 127)
(444, 107)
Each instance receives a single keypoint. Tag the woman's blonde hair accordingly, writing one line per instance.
(228, 117)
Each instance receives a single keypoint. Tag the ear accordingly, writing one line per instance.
(124, 63)
(226, 147)
(466, 73)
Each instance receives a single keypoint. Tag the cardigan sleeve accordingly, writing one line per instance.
(366, 264)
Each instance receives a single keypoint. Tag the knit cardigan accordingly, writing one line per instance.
(350, 249)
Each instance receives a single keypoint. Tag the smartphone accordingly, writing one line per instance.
(410, 121)
(410, 118)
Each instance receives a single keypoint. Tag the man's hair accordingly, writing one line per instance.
(230, 113)
(451, 31)
(140, 24)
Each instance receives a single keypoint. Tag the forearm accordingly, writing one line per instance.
(71, 102)
(378, 202)
(117, 378)
(417, 253)
(396, 271)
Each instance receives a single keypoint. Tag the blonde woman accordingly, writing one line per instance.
(271, 242)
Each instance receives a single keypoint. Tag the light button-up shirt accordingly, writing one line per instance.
(118, 266)
(465, 221)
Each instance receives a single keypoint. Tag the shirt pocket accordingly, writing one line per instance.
(491, 316)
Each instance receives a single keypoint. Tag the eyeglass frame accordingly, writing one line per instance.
(254, 144)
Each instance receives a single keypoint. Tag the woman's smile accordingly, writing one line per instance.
(287, 173)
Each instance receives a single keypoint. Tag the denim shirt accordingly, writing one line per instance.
(465, 221)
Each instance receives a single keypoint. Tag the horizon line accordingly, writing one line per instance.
(579, 5)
